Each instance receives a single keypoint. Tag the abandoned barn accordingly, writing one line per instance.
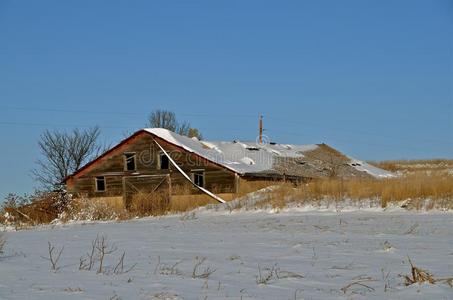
(158, 161)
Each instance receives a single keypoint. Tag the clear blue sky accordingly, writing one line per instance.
(372, 78)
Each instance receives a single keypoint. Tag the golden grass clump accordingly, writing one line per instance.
(144, 204)
(249, 186)
(420, 276)
(185, 197)
(416, 188)
(189, 202)
(409, 166)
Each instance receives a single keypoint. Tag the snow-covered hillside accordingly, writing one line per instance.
(313, 255)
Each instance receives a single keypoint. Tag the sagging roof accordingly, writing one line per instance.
(254, 159)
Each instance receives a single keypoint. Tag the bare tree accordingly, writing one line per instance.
(163, 119)
(63, 153)
(167, 119)
(183, 128)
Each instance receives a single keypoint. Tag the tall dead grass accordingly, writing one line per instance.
(246, 187)
(185, 198)
(145, 204)
(38, 208)
(415, 165)
(419, 187)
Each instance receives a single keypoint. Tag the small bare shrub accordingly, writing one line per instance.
(54, 257)
(2, 242)
(385, 278)
(270, 274)
(203, 273)
(103, 248)
(87, 261)
(119, 268)
(167, 269)
(274, 273)
(100, 249)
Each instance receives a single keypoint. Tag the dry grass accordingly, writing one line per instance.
(38, 208)
(145, 204)
(420, 276)
(419, 187)
(246, 187)
(89, 209)
(185, 198)
(189, 202)
(415, 165)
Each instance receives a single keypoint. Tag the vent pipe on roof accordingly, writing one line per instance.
(261, 129)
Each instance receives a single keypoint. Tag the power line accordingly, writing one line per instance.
(58, 125)
(70, 111)
(118, 112)
(355, 132)
(281, 119)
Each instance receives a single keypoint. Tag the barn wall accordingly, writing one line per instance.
(111, 166)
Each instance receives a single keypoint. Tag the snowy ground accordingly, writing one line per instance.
(315, 255)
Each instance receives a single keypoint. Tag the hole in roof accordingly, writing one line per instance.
(247, 160)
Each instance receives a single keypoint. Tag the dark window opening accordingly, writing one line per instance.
(198, 177)
(129, 161)
(100, 184)
(164, 163)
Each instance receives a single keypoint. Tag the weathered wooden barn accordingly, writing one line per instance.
(155, 160)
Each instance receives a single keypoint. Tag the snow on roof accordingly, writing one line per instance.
(240, 157)
(370, 169)
(251, 157)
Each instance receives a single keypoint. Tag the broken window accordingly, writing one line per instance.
(164, 163)
(100, 184)
(129, 162)
(198, 177)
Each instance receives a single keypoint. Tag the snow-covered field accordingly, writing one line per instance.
(315, 255)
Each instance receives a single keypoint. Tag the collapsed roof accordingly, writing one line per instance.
(272, 159)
